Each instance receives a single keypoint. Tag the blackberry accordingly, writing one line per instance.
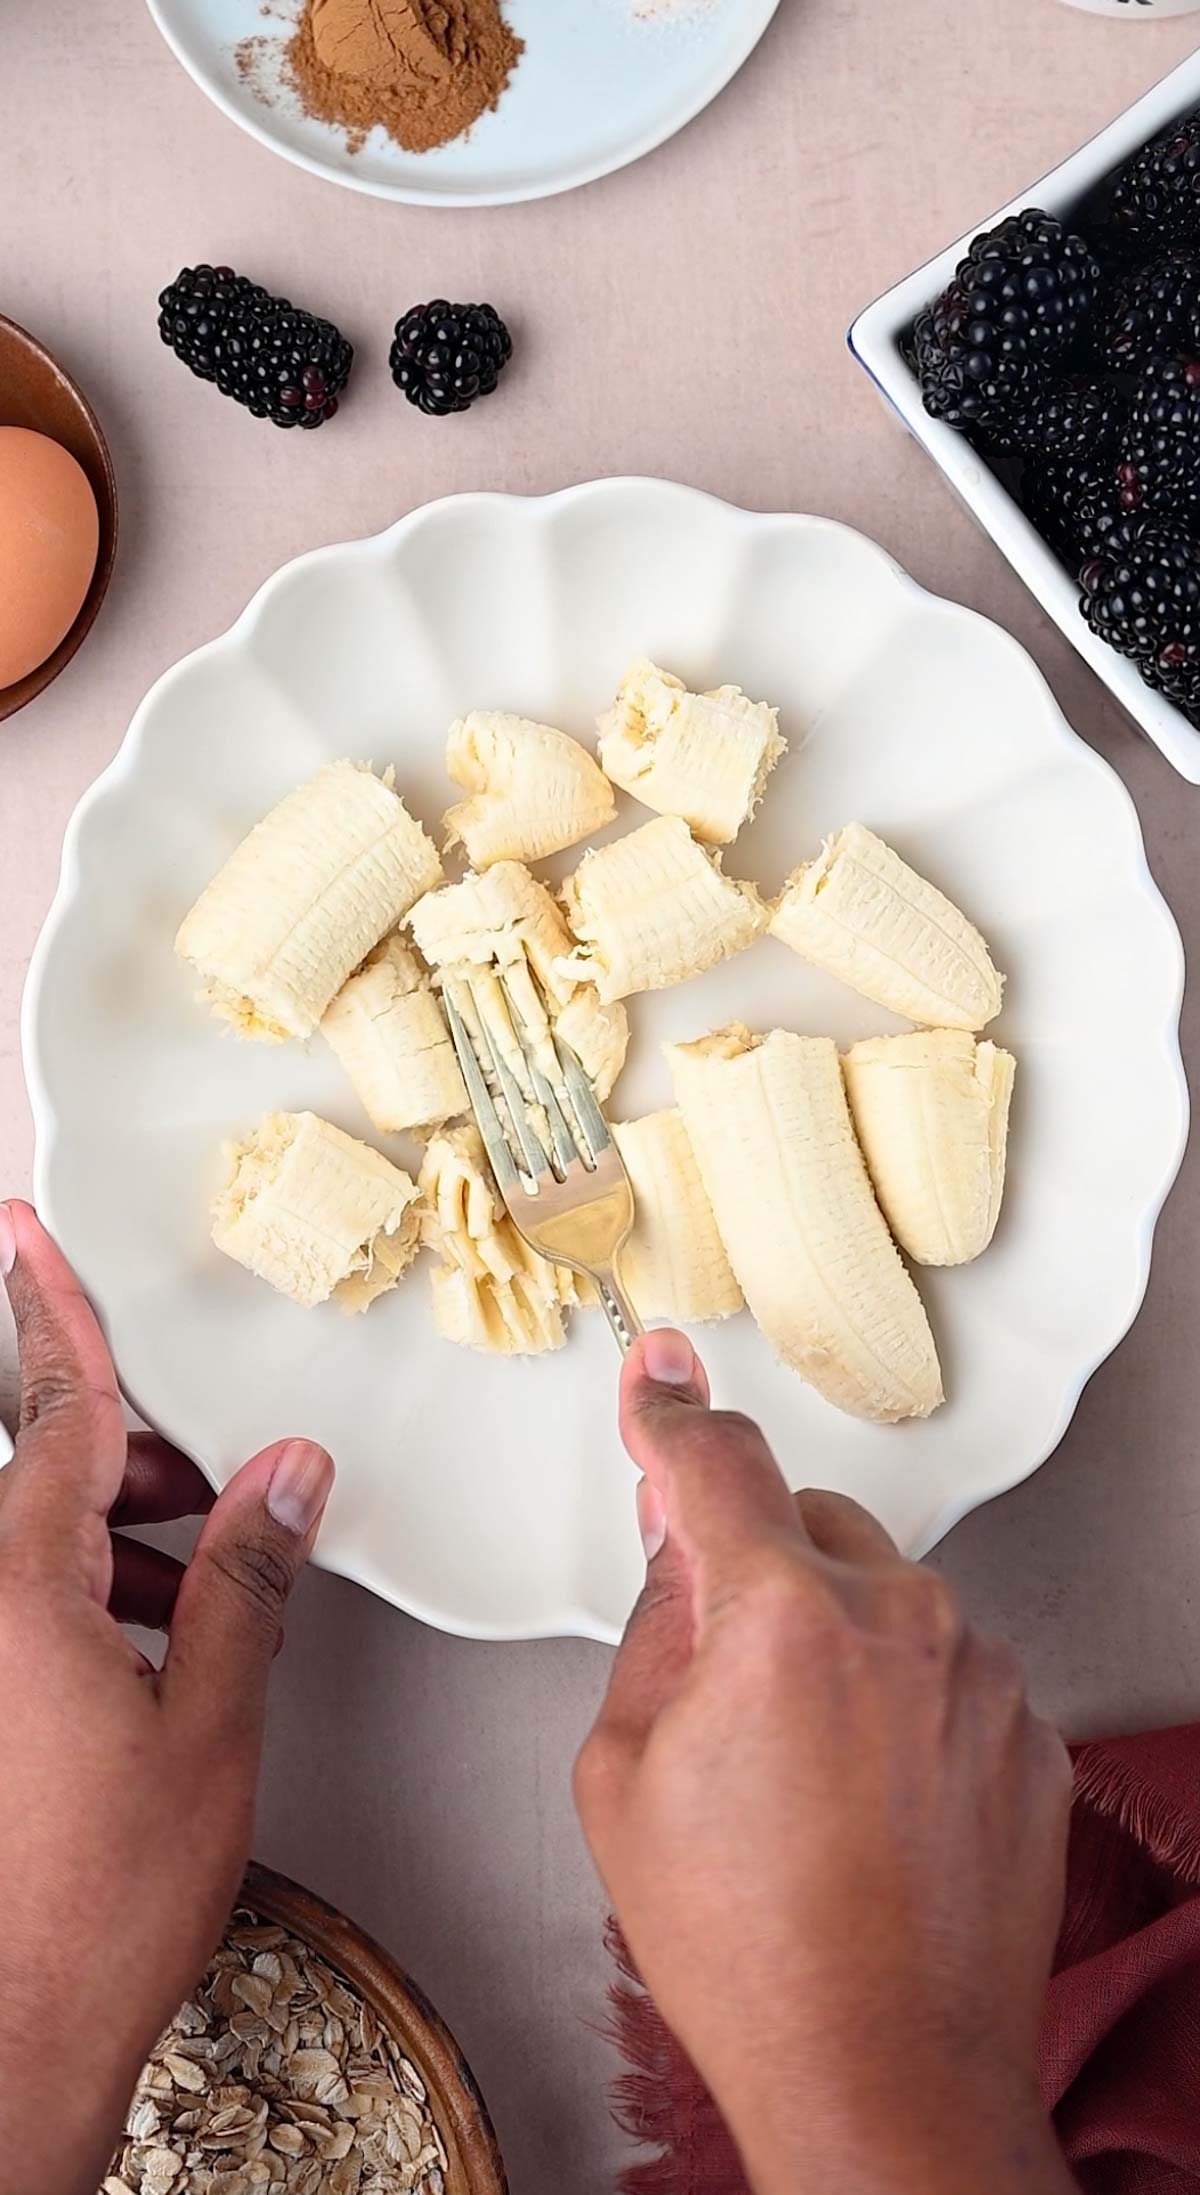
(444, 356)
(1144, 599)
(1155, 198)
(1152, 309)
(1075, 417)
(1176, 678)
(1159, 469)
(1076, 508)
(281, 363)
(1018, 301)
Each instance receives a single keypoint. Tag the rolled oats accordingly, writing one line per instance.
(275, 2079)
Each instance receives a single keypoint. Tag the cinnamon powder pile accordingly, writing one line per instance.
(423, 69)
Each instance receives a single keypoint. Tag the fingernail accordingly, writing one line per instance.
(299, 1487)
(8, 1242)
(669, 1357)
(652, 1519)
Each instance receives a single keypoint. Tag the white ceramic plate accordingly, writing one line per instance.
(600, 83)
(492, 1497)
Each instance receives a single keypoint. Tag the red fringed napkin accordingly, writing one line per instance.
(1120, 2050)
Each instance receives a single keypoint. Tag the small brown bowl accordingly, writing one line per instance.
(474, 2165)
(36, 393)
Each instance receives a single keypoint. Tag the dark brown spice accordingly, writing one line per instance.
(423, 70)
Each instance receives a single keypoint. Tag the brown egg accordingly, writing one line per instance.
(49, 536)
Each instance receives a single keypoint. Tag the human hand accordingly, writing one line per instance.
(833, 1831)
(126, 1796)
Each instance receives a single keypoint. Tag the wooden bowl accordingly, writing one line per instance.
(474, 2165)
(35, 392)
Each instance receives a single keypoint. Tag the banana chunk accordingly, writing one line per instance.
(653, 909)
(300, 903)
(504, 924)
(674, 1263)
(705, 757)
(316, 1213)
(931, 1111)
(490, 1290)
(533, 790)
(770, 1126)
(862, 914)
(387, 1028)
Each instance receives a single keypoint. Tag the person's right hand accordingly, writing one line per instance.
(832, 1829)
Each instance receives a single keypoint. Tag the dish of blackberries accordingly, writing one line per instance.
(1070, 357)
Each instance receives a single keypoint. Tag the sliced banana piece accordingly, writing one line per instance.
(859, 912)
(653, 909)
(490, 1290)
(705, 757)
(316, 1213)
(532, 790)
(931, 1111)
(674, 1264)
(387, 1028)
(771, 1130)
(504, 924)
(300, 903)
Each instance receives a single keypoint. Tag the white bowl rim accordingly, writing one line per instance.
(576, 1621)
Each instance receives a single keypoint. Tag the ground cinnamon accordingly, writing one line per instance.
(423, 70)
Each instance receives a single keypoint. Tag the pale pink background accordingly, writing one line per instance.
(685, 318)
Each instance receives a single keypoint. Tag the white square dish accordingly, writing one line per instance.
(875, 339)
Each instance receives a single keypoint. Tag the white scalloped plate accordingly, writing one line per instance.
(492, 1497)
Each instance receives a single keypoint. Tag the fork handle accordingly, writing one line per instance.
(619, 1311)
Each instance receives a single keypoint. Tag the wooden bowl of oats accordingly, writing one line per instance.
(306, 2062)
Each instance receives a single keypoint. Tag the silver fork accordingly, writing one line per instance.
(573, 1204)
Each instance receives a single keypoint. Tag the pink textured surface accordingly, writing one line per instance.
(684, 318)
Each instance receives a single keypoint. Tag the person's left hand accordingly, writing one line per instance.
(126, 1794)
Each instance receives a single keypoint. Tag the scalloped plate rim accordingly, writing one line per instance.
(575, 1620)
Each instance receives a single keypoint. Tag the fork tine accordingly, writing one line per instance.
(582, 1096)
(566, 1152)
(487, 1119)
(593, 1126)
(536, 1161)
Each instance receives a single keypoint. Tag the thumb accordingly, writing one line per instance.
(722, 1499)
(661, 1372)
(228, 1619)
(662, 1380)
